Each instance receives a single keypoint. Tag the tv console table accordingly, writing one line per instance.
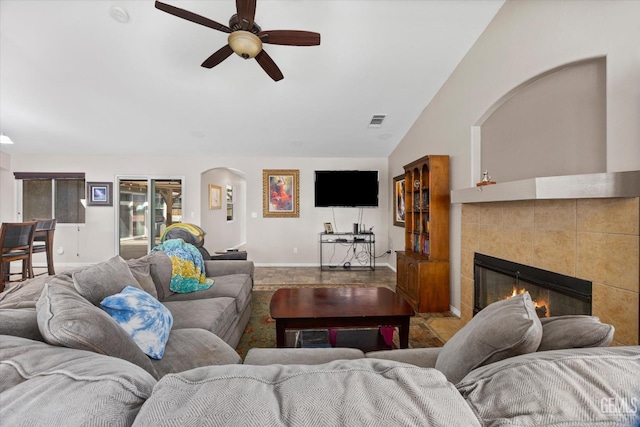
(355, 244)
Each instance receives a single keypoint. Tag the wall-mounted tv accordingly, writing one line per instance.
(346, 188)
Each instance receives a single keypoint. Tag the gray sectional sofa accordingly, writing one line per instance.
(63, 310)
(504, 368)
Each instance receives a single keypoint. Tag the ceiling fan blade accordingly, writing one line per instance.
(269, 66)
(290, 37)
(246, 13)
(190, 16)
(217, 57)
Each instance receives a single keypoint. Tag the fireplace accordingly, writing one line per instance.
(553, 294)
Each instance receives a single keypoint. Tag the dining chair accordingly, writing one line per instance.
(16, 242)
(43, 241)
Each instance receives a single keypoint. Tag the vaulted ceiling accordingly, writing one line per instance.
(75, 80)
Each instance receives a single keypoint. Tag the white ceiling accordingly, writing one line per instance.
(74, 80)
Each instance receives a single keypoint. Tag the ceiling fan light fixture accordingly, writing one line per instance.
(245, 43)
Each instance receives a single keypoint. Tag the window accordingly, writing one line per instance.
(229, 203)
(46, 195)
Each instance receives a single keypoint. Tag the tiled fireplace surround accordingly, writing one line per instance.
(592, 239)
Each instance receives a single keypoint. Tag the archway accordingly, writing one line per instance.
(223, 220)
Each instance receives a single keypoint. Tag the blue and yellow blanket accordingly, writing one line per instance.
(187, 266)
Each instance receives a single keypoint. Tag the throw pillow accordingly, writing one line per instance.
(503, 329)
(66, 319)
(575, 331)
(98, 281)
(143, 317)
(141, 271)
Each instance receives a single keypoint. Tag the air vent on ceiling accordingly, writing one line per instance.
(376, 120)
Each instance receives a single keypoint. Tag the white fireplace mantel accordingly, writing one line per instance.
(587, 186)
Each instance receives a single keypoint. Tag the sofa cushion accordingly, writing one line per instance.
(224, 268)
(141, 271)
(143, 317)
(20, 322)
(44, 385)
(215, 315)
(23, 294)
(160, 269)
(66, 319)
(194, 348)
(503, 329)
(103, 279)
(340, 393)
(574, 332)
(568, 388)
(237, 286)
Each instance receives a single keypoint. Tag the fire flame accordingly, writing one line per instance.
(541, 306)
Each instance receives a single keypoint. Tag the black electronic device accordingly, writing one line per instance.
(346, 188)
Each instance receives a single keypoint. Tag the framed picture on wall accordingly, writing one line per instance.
(99, 194)
(215, 197)
(398, 198)
(281, 193)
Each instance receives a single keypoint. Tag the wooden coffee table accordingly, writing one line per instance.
(310, 308)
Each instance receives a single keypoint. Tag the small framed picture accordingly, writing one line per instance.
(99, 194)
(328, 228)
(215, 197)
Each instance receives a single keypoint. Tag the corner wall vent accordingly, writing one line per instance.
(376, 120)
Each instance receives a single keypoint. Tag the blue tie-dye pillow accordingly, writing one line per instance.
(143, 317)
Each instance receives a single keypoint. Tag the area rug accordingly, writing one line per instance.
(261, 329)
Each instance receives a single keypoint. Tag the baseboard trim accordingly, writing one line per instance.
(277, 264)
(454, 310)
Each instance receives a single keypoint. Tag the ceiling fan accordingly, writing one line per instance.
(245, 36)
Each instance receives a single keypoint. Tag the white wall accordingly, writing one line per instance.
(525, 39)
(269, 241)
(7, 184)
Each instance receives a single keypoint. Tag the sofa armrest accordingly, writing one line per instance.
(224, 268)
(422, 357)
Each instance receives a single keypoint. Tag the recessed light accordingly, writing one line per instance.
(384, 136)
(119, 14)
(4, 139)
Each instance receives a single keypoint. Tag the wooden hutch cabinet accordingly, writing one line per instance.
(422, 276)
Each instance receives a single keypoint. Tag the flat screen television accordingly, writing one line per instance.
(346, 188)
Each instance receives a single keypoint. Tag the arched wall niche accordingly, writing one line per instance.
(553, 124)
(223, 233)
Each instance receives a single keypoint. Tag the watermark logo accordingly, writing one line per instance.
(618, 405)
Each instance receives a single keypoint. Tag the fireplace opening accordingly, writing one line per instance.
(553, 294)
